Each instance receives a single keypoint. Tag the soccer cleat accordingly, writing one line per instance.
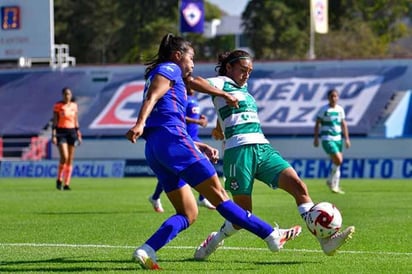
(208, 246)
(146, 261)
(205, 203)
(59, 184)
(277, 239)
(66, 187)
(337, 190)
(333, 243)
(157, 205)
(333, 187)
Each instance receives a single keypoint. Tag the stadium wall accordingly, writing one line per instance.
(105, 153)
(368, 158)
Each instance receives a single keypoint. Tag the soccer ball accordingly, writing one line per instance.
(324, 220)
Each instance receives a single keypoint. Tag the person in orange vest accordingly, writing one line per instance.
(66, 135)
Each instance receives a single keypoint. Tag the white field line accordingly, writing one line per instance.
(192, 247)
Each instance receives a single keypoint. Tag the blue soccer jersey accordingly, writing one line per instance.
(193, 111)
(171, 108)
(170, 151)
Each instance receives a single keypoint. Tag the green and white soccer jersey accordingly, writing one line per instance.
(248, 154)
(241, 126)
(331, 128)
(331, 122)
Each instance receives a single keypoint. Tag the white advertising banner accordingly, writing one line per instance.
(27, 29)
(319, 15)
(294, 102)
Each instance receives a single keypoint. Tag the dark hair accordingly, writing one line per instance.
(230, 58)
(64, 89)
(169, 44)
(331, 91)
(73, 99)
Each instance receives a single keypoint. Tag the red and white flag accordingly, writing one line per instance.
(319, 15)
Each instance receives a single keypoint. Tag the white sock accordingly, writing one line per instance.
(304, 208)
(225, 231)
(335, 175)
(149, 250)
(337, 178)
(329, 180)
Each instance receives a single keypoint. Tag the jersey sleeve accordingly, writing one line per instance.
(320, 113)
(217, 82)
(169, 70)
(342, 112)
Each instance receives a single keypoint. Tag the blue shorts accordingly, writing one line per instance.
(174, 158)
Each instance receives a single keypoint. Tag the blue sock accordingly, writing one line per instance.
(243, 218)
(201, 198)
(168, 231)
(158, 191)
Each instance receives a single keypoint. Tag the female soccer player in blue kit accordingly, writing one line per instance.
(193, 120)
(176, 159)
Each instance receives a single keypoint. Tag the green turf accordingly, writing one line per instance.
(96, 227)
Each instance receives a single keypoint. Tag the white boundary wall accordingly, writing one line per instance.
(34, 38)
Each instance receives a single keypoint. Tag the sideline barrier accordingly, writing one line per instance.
(48, 169)
(372, 168)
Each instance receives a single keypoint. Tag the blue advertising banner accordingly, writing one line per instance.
(137, 168)
(48, 169)
(288, 101)
(140, 168)
(369, 168)
(28, 99)
(192, 16)
(374, 168)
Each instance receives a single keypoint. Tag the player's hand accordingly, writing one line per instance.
(203, 120)
(217, 134)
(54, 140)
(316, 143)
(211, 153)
(231, 100)
(347, 143)
(79, 138)
(134, 133)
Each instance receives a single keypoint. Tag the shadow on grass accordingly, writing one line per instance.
(82, 212)
(61, 265)
(131, 212)
(70, 265)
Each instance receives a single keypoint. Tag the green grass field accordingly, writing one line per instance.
(96, 227)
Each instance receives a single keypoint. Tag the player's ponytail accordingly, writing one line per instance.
(168, 45)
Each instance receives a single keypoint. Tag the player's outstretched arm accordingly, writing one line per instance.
(202, 85)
